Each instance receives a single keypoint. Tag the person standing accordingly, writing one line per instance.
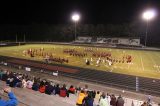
(80, 99)
(113, 100)
(120, 101)
(103, 100)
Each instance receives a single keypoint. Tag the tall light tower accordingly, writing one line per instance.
(148, 15)
(75, 18)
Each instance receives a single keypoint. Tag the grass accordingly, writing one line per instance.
(144, 63)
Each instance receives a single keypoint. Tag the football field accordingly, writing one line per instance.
(143, 63)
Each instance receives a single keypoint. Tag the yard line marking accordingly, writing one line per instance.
(128, 65)
(153, 61)
(142, 63)
(68, 56)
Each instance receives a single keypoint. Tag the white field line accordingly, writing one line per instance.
(121, 67)
(142, 62)
(128, 65)
(153, 62)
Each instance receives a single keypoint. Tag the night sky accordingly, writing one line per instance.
(59, 11)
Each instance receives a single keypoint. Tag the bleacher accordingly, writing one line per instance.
(83, 40)
(28, 97)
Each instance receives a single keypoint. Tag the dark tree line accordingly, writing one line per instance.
(48, 32)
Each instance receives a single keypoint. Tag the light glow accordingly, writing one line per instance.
(149, 14)
(75, 17)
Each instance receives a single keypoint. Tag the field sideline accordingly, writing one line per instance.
(144, 63)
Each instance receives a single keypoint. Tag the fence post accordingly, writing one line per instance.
(137, 84)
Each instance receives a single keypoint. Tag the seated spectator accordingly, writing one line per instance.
(71, 89)
(57, 89)
(4, 76)
(24, 83)
(42, 87)
(81, 96)
(78, 89)
(12, 99)
(1, 74)
(8, 80)
(29, 84)
(49, 88)
(12, 82)
(35, 86)
(19, 82)
(63, 91)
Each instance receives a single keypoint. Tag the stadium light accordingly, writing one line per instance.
(148, 15)
(75, 18)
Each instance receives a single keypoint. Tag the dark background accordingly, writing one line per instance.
(51, 20)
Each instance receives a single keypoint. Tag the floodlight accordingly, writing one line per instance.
(75, 17)
(149, 14)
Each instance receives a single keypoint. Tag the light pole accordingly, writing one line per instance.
(75, 18)
(148, 15)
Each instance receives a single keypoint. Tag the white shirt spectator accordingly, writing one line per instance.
(24, 83)
(29, 84)
(108, 98)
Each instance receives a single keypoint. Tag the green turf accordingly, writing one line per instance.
(144, 63)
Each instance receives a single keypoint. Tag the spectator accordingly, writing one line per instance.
(97, 98)
(35, 86)
(63, 91)
(81, 96)
(120, 101)
(57, 89)
(94, 94)
(12, 99)
(24, 83)
(29, 84)
(4, 76)
(19, 83)
(149, 99)
(113, 100)
(103, 101)
(88, 101)
(71, 89)
(108, 97)
(42, 87)
(49, 88)
(1, 74)
(86, 88)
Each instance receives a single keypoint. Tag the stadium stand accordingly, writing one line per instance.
(83, 40)
(29, 97)
(110, 41)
